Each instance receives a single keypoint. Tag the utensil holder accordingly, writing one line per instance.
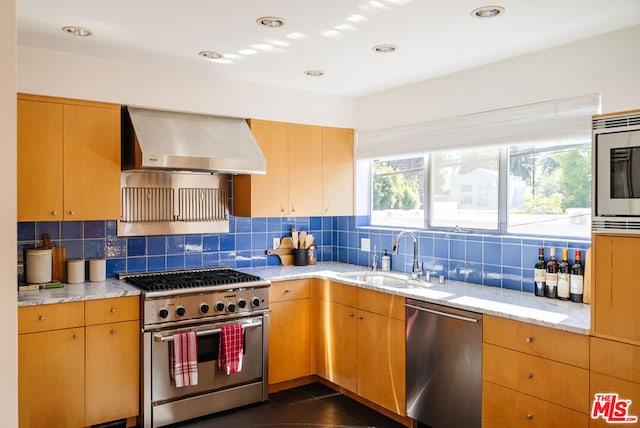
(300, 256)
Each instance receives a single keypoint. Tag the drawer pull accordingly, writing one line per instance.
(41, 318)
(287, 290)
(113, 310)
(528, 416)
(528, 339)
(528, 375)
(75, 337)
(113, 331)
(360, 317)
(351, 315)
(54, 213)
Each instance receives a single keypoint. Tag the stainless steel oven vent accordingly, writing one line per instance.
(170, 203)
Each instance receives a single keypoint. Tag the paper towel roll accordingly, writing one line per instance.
(75, 271)
(97, 270)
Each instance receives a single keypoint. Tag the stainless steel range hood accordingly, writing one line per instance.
(174, 141)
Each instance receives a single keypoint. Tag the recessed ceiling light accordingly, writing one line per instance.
(210, 55)
(487, 11)
(271, 22)
(384, 48)
(314, 73)
(77, 31)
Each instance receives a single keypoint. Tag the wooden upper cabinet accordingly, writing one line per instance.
(337, 171)
(308, 168)
(305, 170)
(68, 159)
(39, 161)
(91, 163)
(614, 311)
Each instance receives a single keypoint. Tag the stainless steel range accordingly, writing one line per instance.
(201, 300)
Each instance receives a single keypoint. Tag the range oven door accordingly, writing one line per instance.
(617, 174)
(210, 378)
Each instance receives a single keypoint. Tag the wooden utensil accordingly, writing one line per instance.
(302, 239)
(283, 251)
(310, 240)
(59, 264)
(586, 296)
(46, 241)
(294, 237)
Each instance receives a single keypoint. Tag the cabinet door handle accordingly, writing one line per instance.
(54, 213)
(360, 317)
(528, 375)
(72, 212)
(528, 339)
(114, 331)
(287, 291)
(41, 318)
(75, 337)
(351, 315)
(528, 416)
(113, 310)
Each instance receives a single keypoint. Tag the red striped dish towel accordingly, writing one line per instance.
(230, 350)
(185, 359)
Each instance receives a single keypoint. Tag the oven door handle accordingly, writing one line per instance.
(169, 338)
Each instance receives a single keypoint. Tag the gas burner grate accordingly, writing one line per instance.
(176, 280)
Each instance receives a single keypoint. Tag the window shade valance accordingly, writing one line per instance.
(567, 120)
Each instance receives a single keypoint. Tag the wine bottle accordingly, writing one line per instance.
(551, 278)
(540, 270)
(564, 276)
(577, 279)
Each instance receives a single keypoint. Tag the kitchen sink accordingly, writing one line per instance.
(388, 279)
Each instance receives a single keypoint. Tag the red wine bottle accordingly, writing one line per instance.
(564, 276)
(540, 271)
(577, 279)
(551, 278)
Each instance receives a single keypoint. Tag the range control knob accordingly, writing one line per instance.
(204, 308)
(219, 306)
(180, 311)
(242, 303)
(255, 302)
(231, 307)
(163, 313)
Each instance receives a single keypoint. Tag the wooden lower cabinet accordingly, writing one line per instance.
(360, 350)
(289, 330)
(75, 372)
(506, 408)
(51, 379)
(381, 360)
(112, 371)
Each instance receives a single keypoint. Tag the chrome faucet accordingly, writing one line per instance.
(415, 273)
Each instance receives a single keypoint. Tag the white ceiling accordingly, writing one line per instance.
(434, 38)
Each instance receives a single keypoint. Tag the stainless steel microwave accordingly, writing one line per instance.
(616, 172)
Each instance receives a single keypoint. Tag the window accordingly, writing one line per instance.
(398, 192)
(550, 189)
(465, 189)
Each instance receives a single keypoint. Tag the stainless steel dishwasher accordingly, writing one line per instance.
(444, 365)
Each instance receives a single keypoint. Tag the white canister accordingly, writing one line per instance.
(97, 270)
(38, 266)
(75, 271)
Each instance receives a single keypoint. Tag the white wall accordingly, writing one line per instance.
(608, 64)
(8, 229)
(55, 73)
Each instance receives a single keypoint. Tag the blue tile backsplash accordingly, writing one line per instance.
(489, 260)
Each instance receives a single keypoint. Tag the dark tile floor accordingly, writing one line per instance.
(312, 405)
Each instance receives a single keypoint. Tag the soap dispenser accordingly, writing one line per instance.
(386, 262)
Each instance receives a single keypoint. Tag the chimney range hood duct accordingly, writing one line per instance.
(174, 141)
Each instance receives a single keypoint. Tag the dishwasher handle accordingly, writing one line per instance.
(444, 314)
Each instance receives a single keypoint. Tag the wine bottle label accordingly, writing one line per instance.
(539, 275)
(577, 284)
(563, 285)
(551, 279)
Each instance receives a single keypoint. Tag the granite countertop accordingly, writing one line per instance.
(112, 287)
(516, 305)
(510, 304)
